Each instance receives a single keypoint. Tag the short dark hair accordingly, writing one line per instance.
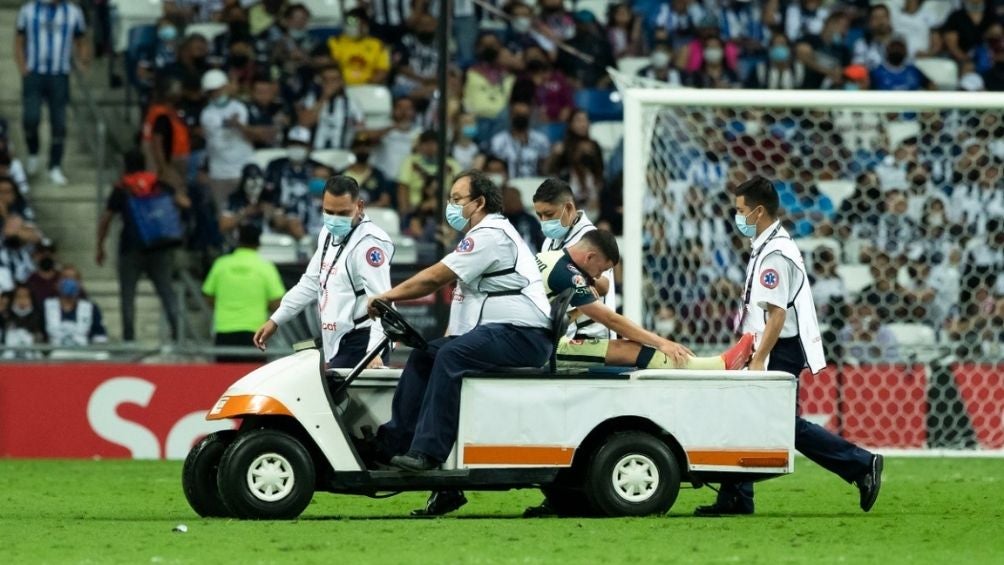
(553, 191)
(481, 185)
(427, 136)
(359, 13)
(134, 161)
(340, 185)
(759, 191)
(249, 235)
(604, 242)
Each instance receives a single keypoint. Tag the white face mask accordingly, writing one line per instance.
(521, 24)
(498, 179)
(298, 153)
(713, 55)
(660, 59)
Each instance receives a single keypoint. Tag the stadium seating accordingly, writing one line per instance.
(127, 14)
(209, 30)
(631, 65)
(386, 218)
(337, 159)
(527, 186)
(278, 248)
(607, 135)
(943, 72)
(327, 12)
(323, 33)
(836, 190)
(599, 104)
(855, 277)
(263, 157)
(375, 101)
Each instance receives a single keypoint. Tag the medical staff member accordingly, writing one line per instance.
(500, 317)
(778, 310)
(563, 226)
(352, 262)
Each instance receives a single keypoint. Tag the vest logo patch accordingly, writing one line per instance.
(375, 257)
(770, 278)
(466, 245)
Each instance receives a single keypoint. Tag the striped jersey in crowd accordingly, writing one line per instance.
(49, 29)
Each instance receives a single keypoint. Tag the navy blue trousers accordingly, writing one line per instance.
(426, 407)
(352, 349)
(55, 90)
(826, 449)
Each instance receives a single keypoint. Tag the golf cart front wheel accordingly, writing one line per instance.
(198, 476)
(266, 475)
(633, 474)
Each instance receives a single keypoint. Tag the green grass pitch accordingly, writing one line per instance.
(944, 511)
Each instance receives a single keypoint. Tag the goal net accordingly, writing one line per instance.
(897, 203)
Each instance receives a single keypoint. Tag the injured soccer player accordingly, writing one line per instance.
(572, 269)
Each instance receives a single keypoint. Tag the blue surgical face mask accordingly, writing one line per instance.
(470, 130)
(338, 226)
(779, 53)
(745, 228)
(553, 228)
(69, 288)
(455, 216)
(167, 33)
(221, 100)
(316, 186)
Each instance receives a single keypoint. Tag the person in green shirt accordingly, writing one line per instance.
(243, 288)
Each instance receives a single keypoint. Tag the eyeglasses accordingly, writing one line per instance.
(456, 200)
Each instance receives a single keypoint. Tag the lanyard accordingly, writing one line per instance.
(571, 231)
(752, 267)
(341, 248)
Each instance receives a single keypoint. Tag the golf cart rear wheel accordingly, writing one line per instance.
(266, 475)
(633, 474)
(568, 502)
(198, 476)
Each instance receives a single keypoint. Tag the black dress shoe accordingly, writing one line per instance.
(441, 502)
(869, 484)
(542, 510)
(414, 461)
(733, 508)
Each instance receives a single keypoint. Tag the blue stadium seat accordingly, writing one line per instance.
(324, 33)
(601, 105)
(555, 132)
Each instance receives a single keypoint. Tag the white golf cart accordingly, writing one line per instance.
(603, 442)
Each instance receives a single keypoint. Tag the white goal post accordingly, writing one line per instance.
(836, 147)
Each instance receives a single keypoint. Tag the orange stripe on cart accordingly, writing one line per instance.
(246, 404)
(739, 457)
(517, 455)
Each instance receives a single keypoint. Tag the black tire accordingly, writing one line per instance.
(276, 453)
(568, 502)
(636, 455)
(198, 476)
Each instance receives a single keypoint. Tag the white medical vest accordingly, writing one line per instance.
(69, 333)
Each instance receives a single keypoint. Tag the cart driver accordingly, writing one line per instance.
(500, 317)
(575, 267)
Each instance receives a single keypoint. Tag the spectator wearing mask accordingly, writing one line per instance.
(42, 283)
(825, 55)
(288, 43)
(585, 177)
(868, 339)
(464, 149)
(329, 111)
(286, 178)
(497, 170)
(624, 31)
(21, 325)
(397, 141)
(264, 14)
(162, 54)
(418, 168)
(524, 31)
(487, 86)
(224, 123)
(253, 203)
(870, 49)
(577, 131)
(364, 59)
(590, 41)
(692, 54)
(896, 73)
(918, 22)
(545, 87)
(417, 60)
(374, 188)
(242, 288)
(660, 65)
(241, 66)
(134, 259)
(677, 20)
(18, 234)
(44, 59)
(303, 214)
(267, 113)
(781, 71)
(70, 320)
(238, 30)
(191, 64)
(713, 73)
(523, 148)
(748, 25)
(965, 27)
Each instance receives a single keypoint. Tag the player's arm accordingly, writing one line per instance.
(602, 285)
(626, 328)
(424, 283)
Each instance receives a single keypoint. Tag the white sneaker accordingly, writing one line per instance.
(57, 177)
(32, 164)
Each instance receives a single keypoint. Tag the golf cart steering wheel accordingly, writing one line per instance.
(396, 328)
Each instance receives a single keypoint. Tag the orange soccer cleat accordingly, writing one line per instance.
(739, 354)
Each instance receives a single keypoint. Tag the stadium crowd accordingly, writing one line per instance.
(927, 211)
